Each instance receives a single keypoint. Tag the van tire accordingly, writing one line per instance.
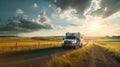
(81, 44)
(75, 47)
(63, 47)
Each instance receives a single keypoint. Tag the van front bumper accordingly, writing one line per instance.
(68, 46)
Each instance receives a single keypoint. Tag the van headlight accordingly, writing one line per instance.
(62, 42)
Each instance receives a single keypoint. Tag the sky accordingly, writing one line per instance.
(30, 18)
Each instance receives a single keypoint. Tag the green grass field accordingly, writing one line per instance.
(112, 46)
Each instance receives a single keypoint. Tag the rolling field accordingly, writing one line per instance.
(17, 44)
(112, 46)
(47, 52)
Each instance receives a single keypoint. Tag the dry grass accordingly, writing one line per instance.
(111, 46)
(12, 44)
(71, 59)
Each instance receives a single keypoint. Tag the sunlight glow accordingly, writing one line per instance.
(95, 26)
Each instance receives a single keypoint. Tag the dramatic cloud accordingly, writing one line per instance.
(70, 15)
(35, 5)
(102, 8)
(19, 11)
(111, 5)
(22, 24)
(95, 5)
(42, 18)
(79, 5)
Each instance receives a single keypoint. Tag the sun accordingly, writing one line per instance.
(95, 26)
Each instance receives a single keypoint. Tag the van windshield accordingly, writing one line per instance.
(70, 37)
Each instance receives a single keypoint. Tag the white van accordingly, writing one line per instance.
(73, 40)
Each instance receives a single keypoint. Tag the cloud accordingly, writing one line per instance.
(69, 15)
(35, 5)
(114, 16)
(95, 5)
(106, 8)
(55, 1)
(22, 24)
(49, 5)
(57, 12)
(111, 5)
(42, 18)
(19, 11)
(81, 6)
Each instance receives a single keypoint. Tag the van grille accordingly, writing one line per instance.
(67, 42)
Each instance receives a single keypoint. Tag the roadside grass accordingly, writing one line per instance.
(71, 59)
(20, 45)
(27, 52)
(112, 46)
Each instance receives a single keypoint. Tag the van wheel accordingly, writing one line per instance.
(81, 44)
(63, 47)
(75, 47)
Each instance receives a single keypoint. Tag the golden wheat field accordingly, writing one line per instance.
(10, 44)
(112, 46)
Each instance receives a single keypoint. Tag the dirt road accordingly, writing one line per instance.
(32, 58)
(97, 57)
